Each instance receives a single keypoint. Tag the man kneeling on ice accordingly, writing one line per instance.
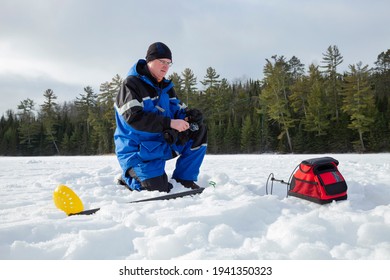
(153, 126)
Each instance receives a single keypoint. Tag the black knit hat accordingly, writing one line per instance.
(158, 50)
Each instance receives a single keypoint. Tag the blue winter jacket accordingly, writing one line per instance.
(143, 110)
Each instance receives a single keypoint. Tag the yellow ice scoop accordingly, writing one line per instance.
(67, 200)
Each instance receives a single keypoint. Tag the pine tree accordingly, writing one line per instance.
(247, 135)
(211, 79)
(49, 117)
(383, 62)
(86, 106)
(318, 114)
(358, 100)
(189, 87)
(298, 97)
(115, 85)
(332, 59)
(220, 105)
(210, 107)
(231, 139)
(381, 81)
(178, 83)
(210, 83)
(9, 135)
(296, 68)
(26, 117)
(103, 121)
(298, 91)
(274, 96)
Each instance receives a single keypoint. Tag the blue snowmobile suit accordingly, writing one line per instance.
(143, 111)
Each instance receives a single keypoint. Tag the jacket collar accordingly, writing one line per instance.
(140, 69)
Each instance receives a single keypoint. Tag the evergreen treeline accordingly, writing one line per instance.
(318, 110)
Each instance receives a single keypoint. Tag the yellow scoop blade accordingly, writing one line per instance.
(67, 200)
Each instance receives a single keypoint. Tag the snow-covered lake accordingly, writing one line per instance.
(233, 221)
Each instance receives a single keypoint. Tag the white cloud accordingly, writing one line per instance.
(88, 42)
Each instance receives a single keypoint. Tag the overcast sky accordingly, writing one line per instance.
(66, 45)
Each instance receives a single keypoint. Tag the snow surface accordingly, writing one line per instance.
(234, 220)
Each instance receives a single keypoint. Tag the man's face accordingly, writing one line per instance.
(159, 67)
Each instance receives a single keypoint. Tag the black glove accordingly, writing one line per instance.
(194, 116)
(183, 138)
(198, 136)
(170, 136)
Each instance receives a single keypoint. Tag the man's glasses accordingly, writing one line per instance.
(163, 62)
